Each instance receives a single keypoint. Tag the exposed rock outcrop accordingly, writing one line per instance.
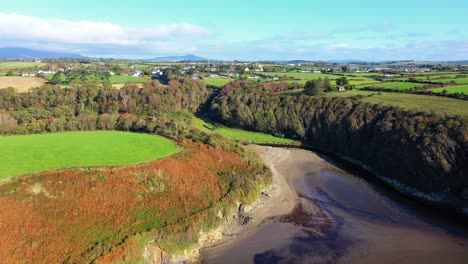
(155, 255)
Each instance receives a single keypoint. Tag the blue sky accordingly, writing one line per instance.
(245, 30)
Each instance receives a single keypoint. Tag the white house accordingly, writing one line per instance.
(45, 72)
(28, 74)
(341, 89)
(137, 73)
(247, 69)
(156, 73)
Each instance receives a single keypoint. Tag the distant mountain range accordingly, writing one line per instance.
(27, 54)
(189, 57)
(346, 61)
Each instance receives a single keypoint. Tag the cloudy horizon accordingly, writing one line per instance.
(435, 34)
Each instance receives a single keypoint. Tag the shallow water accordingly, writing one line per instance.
(340, 218)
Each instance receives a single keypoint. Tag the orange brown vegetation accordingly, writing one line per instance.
(21, 84)
(77, 215)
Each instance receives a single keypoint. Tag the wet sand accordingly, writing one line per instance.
(318, 213)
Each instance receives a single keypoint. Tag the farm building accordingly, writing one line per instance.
(157, 73)
(45, 72)
(28, 74)
(341, 89)
(137, 73)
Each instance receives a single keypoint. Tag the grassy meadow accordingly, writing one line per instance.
(36, 153)
(301, 75)
(218, 82)
(396, 85)
(9, 65)
(456, 80)
(411, 101)
(453, 89)
(124, 79)
(238, 134)
(113, 79)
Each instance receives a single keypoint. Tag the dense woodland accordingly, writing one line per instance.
(86, 105)
(426, 151)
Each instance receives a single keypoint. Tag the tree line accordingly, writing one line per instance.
(88, 105)
(421, 150)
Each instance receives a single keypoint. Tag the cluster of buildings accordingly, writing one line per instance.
(39, 72)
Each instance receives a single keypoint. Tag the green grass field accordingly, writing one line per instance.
(49, 76)
(113, 79)
(218, 82)
(35, 153)
(395, 85)
(8, 65)
(303, 75)
(456, 80)
(453, 89)
(124, 79)
(361, 81)
(364, 74)
(438, 76)
(238, 134)
(439, 104)
(428, 73)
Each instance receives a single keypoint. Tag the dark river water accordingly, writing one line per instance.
(341, 218)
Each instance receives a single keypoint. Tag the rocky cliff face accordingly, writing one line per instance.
(155, 255)
(232, 225)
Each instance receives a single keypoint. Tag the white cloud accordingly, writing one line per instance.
(31, 31)
(111, 40)
(339, 46)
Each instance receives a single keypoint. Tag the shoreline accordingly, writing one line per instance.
(278, 200)
(449, 206)
(292, 214)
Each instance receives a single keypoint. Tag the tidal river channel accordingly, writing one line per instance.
(322, 213)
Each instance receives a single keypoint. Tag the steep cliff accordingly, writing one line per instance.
(420, 153)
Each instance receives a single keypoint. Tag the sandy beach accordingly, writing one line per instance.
(317, 213)
(282, 199)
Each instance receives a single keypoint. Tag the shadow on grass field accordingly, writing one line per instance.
(238, 134)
